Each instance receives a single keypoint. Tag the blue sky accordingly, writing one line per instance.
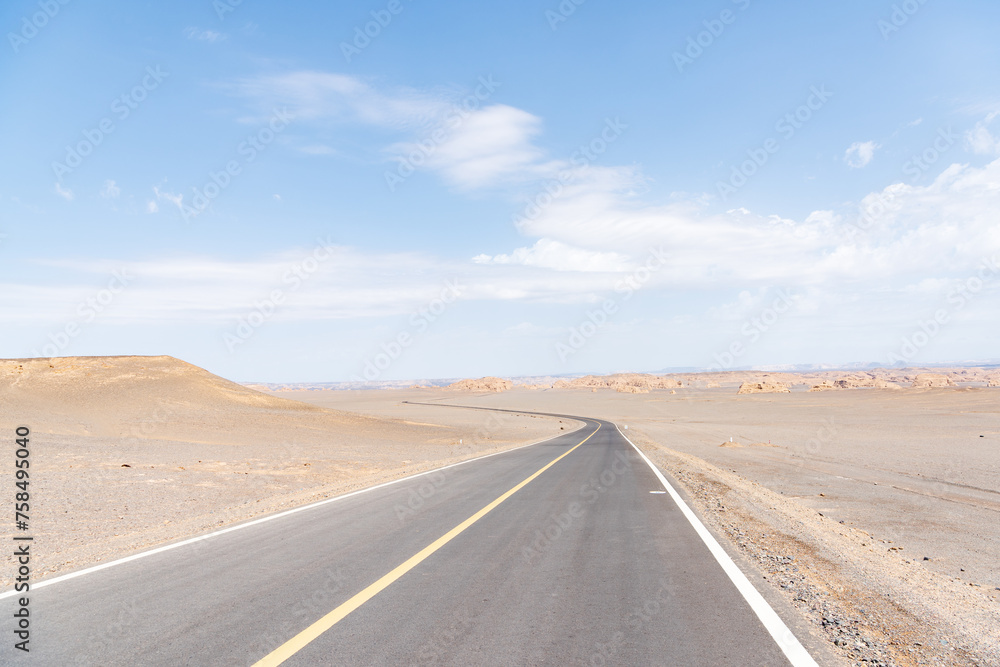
(517, 188)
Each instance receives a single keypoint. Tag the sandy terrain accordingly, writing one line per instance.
(129, 452)
(874, 511)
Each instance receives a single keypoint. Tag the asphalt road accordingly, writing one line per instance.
(588, 563)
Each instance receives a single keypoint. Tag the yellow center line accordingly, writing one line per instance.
(299, 641)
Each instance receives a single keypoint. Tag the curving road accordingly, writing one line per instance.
(567, 552)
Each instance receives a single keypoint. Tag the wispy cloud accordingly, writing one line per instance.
(351, 284)
(162, 195)
(317, 149)
(65, 193)
(549, 254)
(980, 140)
(859, 154)
(330, 97)
(200, 35)
(110, 190)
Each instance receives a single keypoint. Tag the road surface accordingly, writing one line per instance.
(566, 552)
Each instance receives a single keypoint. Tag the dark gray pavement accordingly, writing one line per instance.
(582, 566)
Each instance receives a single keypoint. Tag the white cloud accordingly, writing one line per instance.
(599, 225)
(860, 154)
(980, 140)
(476, 146)
(348, 284)
(203, 35)
(488, 147)
(110, 191)
(65, 193)
(549, 254)
(938, 230)
(152, 207)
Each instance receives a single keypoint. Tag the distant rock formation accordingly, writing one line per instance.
(628, 383)
(764, 388)
(489, 383)
(929, 380)
(855, 382)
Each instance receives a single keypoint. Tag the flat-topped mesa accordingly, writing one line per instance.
(488, 383)
(764, 388)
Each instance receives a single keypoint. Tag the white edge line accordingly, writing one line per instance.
(271, 517)
(783, 636)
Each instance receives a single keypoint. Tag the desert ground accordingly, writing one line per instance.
(868, 501)
(131, 452)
